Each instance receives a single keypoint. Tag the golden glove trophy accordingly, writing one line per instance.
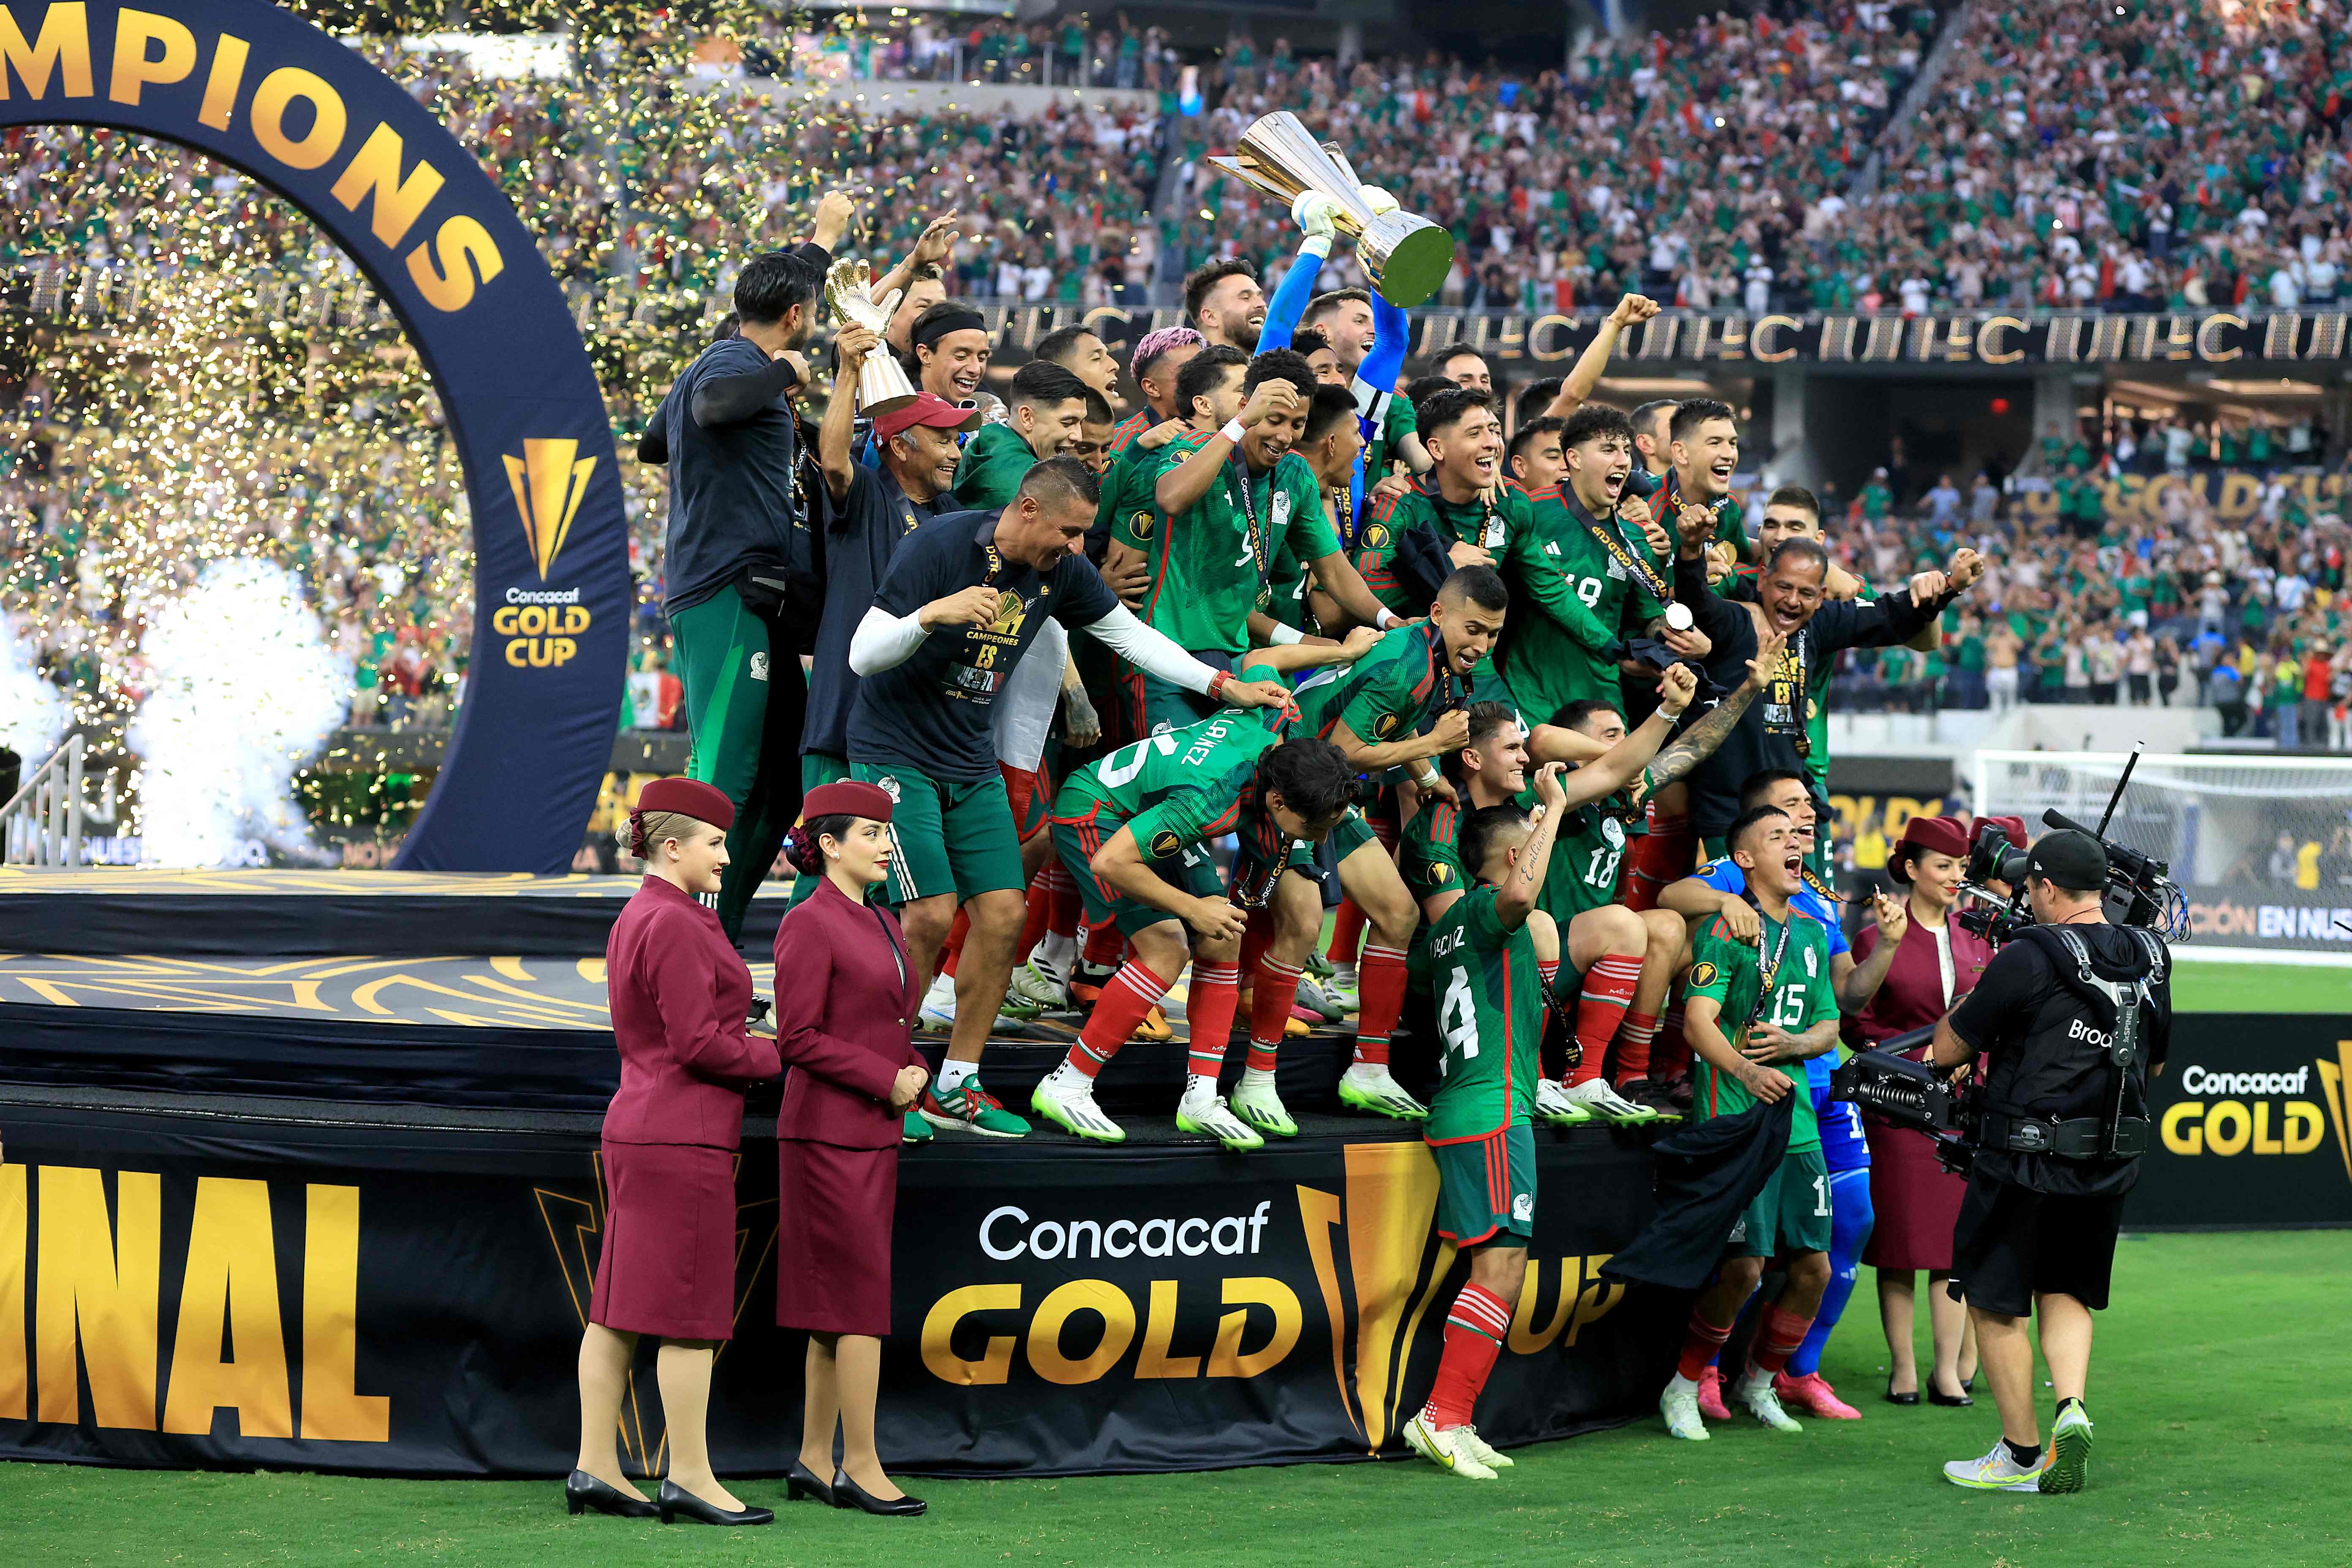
(1405, 257)
(882, 383)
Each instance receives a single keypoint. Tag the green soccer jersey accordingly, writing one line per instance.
(1731, 972)
(1506, 529)
(1285, 590)
(1181, 787)
(1384, 696)
(1211, 563)
(1383, 449)
(1127, 507)
(989, 474)
(1585, 855)
(1490, 1016)
(1547, 668)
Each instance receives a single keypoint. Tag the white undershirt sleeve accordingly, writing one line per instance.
(1154, 653)
(884, 641)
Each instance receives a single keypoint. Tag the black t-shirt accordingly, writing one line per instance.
(931, 713)
(731, 500)
(2067, 1074)
(862, 533)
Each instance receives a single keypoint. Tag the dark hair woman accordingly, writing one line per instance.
(679, 997)
(845, 1000)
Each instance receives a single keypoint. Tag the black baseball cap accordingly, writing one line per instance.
(2069, 859)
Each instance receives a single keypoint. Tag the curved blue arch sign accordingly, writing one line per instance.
(261, 90)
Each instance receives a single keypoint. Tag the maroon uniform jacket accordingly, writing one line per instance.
(844, 1020)
(1912, 995)
(680, 995)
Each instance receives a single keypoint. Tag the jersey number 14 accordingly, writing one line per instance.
(1457, 1019)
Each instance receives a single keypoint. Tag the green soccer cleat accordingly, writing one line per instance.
(968, 1108)
(1369, 1086)
(1446, 1450)
(1213, 1118)
(1261, 1107)
(2068, 1465)
(1070, 1106)
(1554, 1107)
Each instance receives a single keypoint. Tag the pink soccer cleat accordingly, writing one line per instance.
(1710, 1396)
(1812, 1393)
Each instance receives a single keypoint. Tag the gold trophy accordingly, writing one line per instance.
(882, 383)
(1405, 257)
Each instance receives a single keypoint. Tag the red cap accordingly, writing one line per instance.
(1930, 835)
(847, 798)
(702, 801)
(929, 408)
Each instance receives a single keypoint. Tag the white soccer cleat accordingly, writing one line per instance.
(1445, 1449)
(1039, 987)
(1679, 1405)
(1367, 1086)
(938, 1014)
(1479, 1449)
(1340, 986)
(1071, 1107)
(1757, 1394)
(1998, 1472)
(1554, 1106)
(1211, 1116)
(1261, 1107)
(1596, 1095)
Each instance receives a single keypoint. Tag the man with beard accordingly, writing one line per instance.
(1047, 408)
(1225, 302)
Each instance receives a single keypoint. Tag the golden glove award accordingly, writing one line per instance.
(882, 382)
(1405, 257)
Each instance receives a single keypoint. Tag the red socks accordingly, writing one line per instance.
(1208, 1007)
(1104, 945)
(1670, 1055)
(1777, 1339)
(1062, 905)
(1608, 992)
(1132, 992)
(1033, 925)
(1270, 1001)
(1633, 1047)
(1702, 1340)
(1379, 990)
(1347, 932)
(1474, 1332)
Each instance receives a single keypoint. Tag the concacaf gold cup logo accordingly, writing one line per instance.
(1165, 843)
(2228, 1113)
(539, 627)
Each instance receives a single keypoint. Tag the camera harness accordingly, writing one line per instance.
(2113, 1135)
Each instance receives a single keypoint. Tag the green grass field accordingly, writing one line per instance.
(2199, 986)
(2219, 1384)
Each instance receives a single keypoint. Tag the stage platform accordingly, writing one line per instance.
(105, 911)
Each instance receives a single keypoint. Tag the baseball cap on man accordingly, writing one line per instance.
(2069, 859)
(929, 408)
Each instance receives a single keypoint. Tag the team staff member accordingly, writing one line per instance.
(963, 600)
(844, 1023)
(952, 350)
(1045, 413)
(2071, 1014)
(1493, 958)
(679, 997)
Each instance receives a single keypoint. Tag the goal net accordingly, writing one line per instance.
(2262, 845)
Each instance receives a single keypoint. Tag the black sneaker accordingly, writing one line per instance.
(1656, 1095)
(1678, 1093)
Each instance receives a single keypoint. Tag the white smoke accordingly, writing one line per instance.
(33, 713)
(244, 690)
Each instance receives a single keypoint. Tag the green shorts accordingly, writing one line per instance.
(946, 835)
(1076, 840)
(1791, 1214)
(817, 769)
(1352, 834)
(1486, 1188)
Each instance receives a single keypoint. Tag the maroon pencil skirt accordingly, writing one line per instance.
(833, 1237)
(1917, 1201)
(668, 1263)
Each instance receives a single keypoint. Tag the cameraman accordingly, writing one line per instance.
(2069, 1016)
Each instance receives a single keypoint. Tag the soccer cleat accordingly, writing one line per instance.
(1319, 965)
(1213, 1118)
(1317, 1003)
(1367, 1086)
(1478, 1448)
(1710, 1395)
(1444, 1448)
(1679, 1092)
(2068, 1463)
(1997, 1472)
(915, 1130)
(1679, 1405)
(968, 1108)
(1597, 1096)
(1039, 987)
(1056, 970)
(1812, 1395)
(1764, 1405)
(1071, 1107)
(1340, 987)
(1656, 1095)
(1553, 1106)
(937, 1014)
(1086, 982)
(1154, 1026)
(1261, 1107)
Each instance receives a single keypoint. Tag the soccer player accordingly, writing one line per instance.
(1756, 1014)
(1572, 391)
(1091, 445)
(1045, 414)
(1134, 829)
(1491, 958)
(1467, 368)
(1225, 302)
(1084, 355)
(1352, 321)
(1537, 462)
(1475, 520)
(963, 599)
(919, 281)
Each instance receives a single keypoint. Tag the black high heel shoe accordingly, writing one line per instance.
(800, 1481)
(1954, 1400)
(583, 1491)
(847, 1493)
(1894, 1398)
(676, 1503)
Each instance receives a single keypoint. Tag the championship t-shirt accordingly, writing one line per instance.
(1797, 956)
(1211, 565)
(1490, 1018)
(862, 534)
(931, 713)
